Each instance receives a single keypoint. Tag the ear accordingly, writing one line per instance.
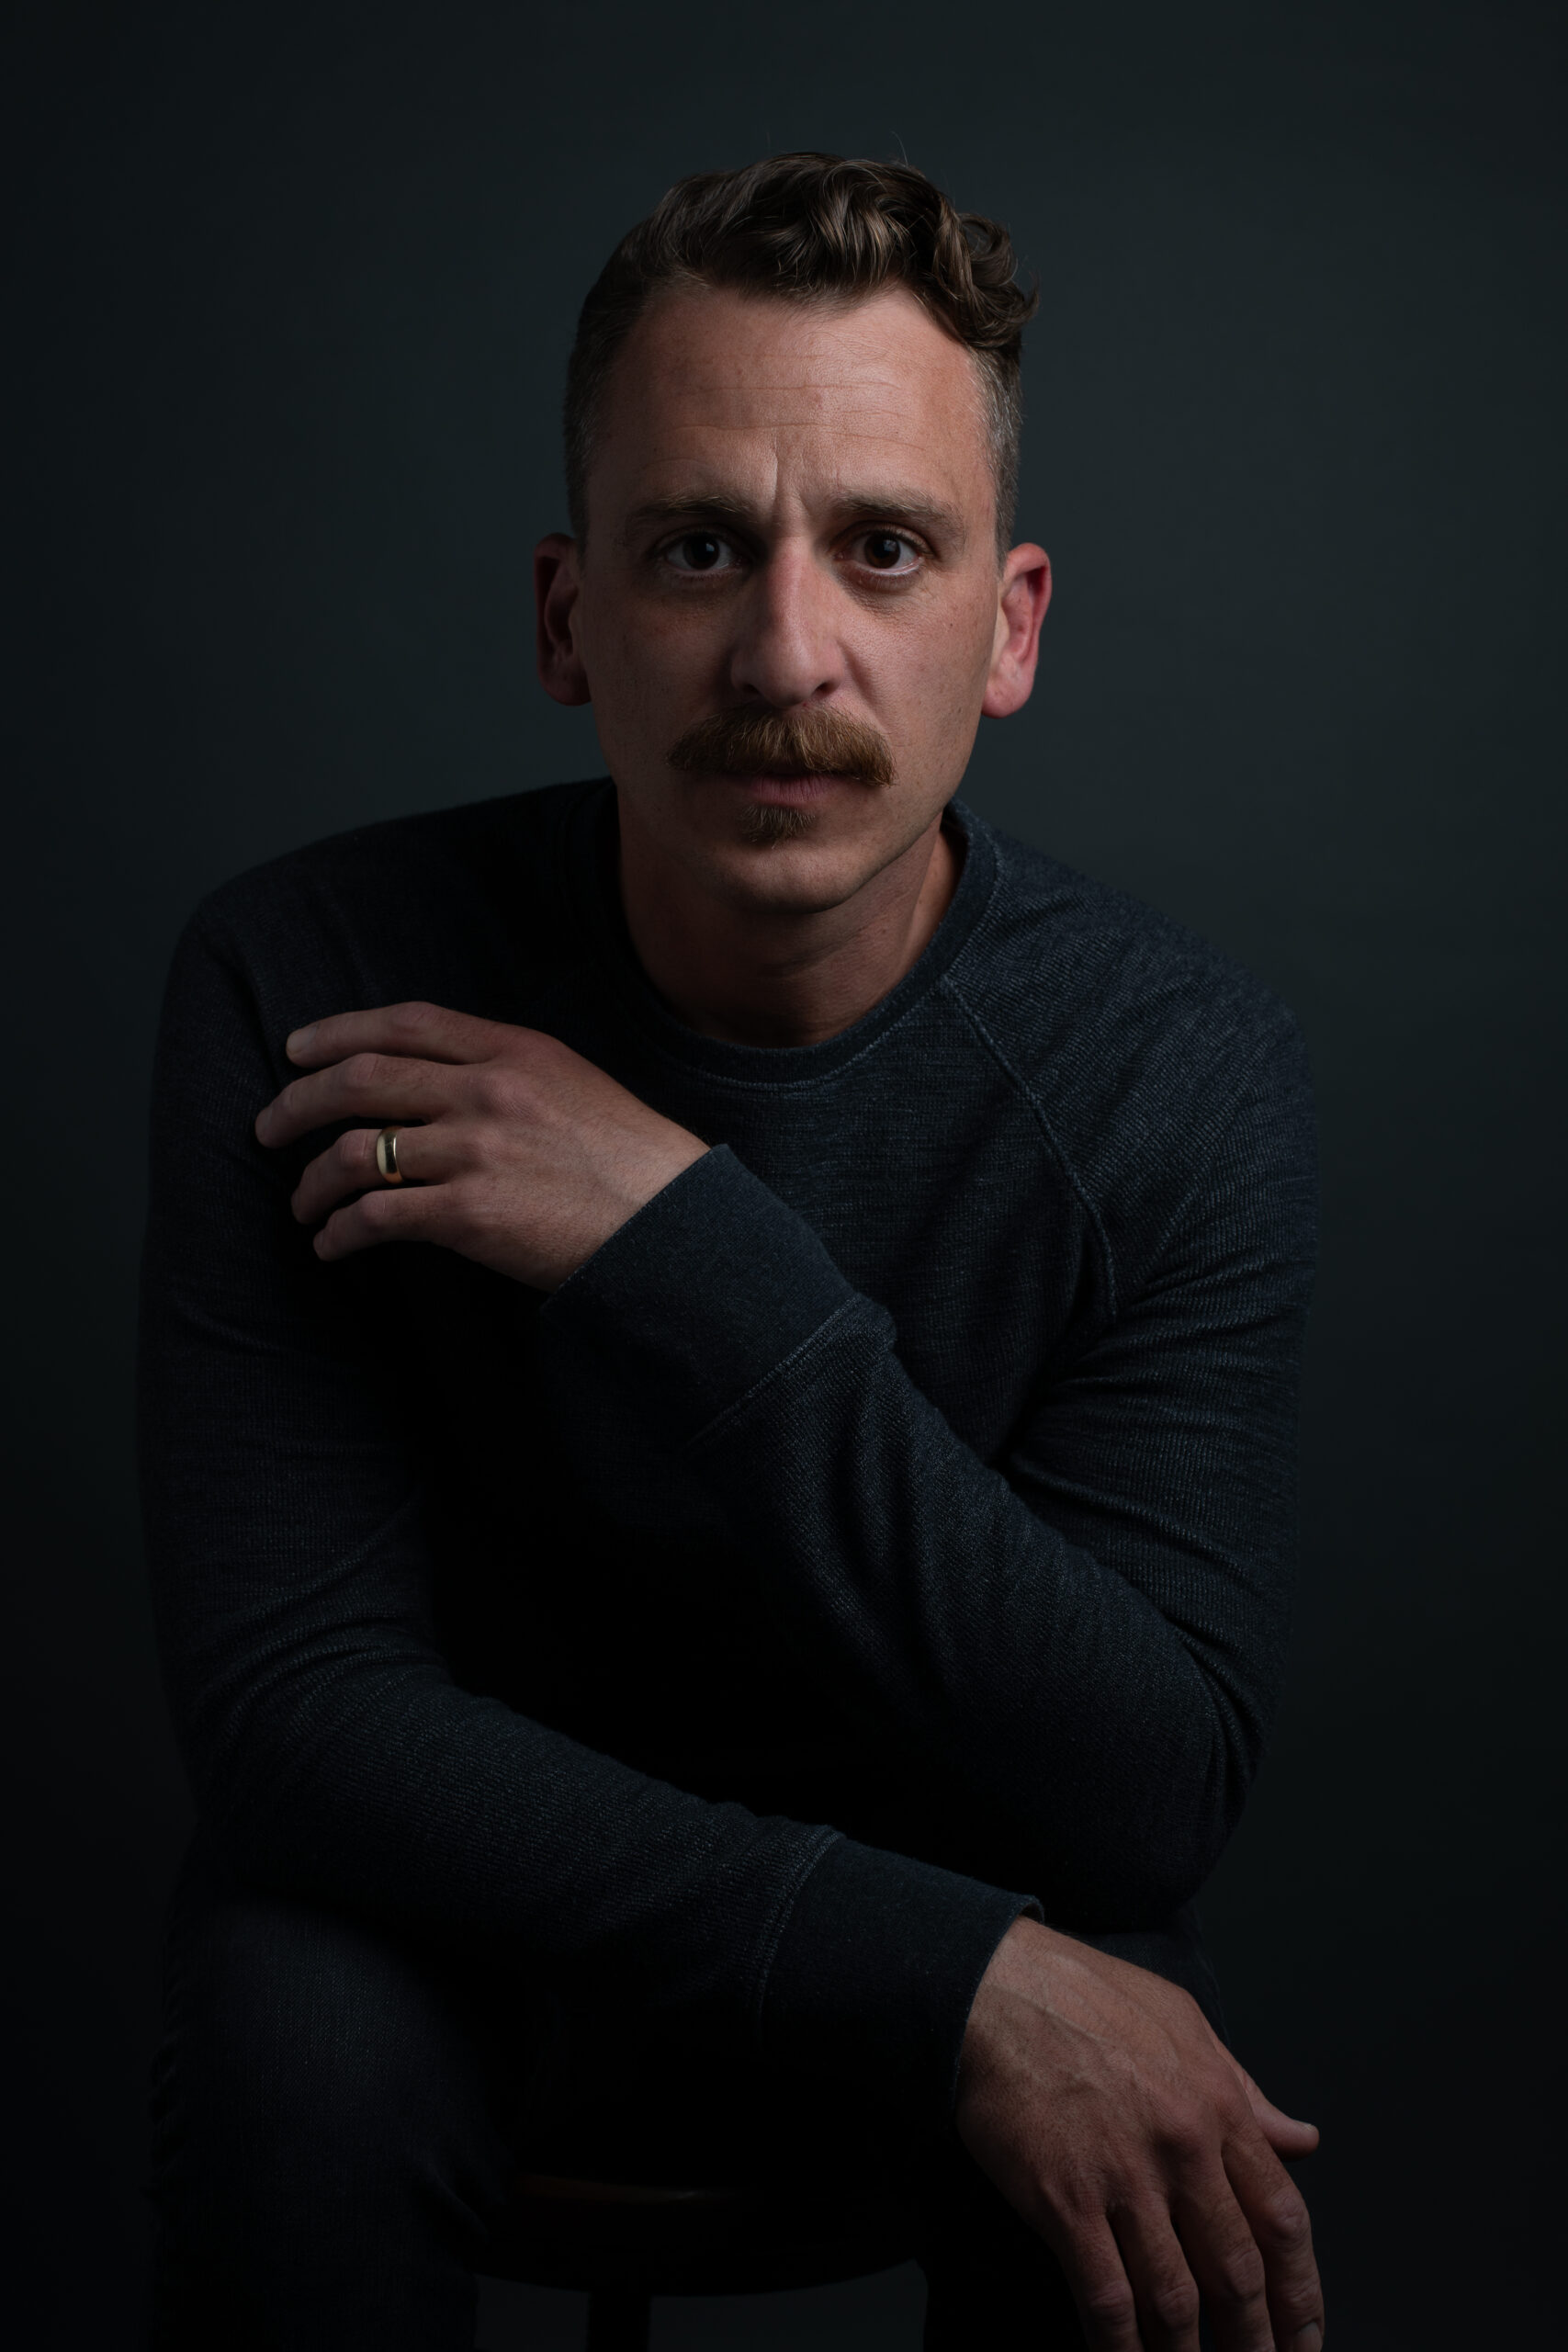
(556, 584)
(1023, 593)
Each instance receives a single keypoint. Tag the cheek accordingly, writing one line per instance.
(647, 681)
(931, 681)
(644, 662)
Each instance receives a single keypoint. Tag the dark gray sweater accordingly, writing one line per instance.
(890, 1527)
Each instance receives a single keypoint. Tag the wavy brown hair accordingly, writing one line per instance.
(812, 227)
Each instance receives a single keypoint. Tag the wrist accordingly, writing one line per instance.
(1016, 1978)
(652, 1174)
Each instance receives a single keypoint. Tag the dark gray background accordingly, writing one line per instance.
(296, 290)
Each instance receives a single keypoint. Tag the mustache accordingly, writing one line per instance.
(783, 742)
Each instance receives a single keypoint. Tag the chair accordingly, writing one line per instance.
(623, 2243)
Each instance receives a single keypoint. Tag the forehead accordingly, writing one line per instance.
(715, 388)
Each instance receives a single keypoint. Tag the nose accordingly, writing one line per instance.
(786, 651)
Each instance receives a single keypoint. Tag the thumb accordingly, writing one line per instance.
(1286, 2135)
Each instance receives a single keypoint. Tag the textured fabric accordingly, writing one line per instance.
(340, 2116)
(331, 2114)
(889, 1528)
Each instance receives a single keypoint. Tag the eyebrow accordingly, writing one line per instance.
(873, 504)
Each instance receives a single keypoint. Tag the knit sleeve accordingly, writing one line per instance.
(1071, 1651)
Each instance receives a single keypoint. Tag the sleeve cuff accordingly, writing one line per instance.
(703, 1292)
(875, 1973)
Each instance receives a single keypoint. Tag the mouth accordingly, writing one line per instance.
(784, 791)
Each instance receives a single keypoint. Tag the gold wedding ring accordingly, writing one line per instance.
(387, 1157)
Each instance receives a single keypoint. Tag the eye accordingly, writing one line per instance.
(700, 551)
(888, 551)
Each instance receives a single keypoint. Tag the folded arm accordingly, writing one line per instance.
(1079, 1644)
(330, 1748)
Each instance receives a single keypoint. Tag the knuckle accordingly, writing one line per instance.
(1108, 2306)
(497, 1092)
(1187, 2139)
(1238, 2277)
(1174, 2304)
(1224, 2087)
(408, 1020)
(1234, 2129)
(1281, 2226)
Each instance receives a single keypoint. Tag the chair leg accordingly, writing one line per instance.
(619, 2319)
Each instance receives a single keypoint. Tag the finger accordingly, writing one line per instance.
(1276, 2215)
(374, 1218)
(421, 1031)
(1161, 2277)
(1089, 2254)
(1286, 2135)
(349, 1166)
(1225, 2260)
(367, 1086)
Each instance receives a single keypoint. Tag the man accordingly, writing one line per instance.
(720, 1372)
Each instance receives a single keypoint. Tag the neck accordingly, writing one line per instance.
(780, 976)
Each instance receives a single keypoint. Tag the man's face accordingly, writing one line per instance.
(791, 515)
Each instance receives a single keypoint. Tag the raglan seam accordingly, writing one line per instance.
(1053, 1141)
(1257, 1060)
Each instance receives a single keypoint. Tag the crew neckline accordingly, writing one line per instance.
(589, 845)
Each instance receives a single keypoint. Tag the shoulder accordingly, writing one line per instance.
(429, 867)
(1140, 1043)
(1076, 970)
(455, 905)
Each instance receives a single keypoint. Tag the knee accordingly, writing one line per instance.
(307, 2057)
(324, 2155)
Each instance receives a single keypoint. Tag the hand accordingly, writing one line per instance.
(516, 1151)
(1113, 2117)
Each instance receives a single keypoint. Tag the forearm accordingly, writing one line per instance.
(1103, 1739)
(333, 1758)
(1034, 1692)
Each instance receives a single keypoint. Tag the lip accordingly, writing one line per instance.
(785, 791)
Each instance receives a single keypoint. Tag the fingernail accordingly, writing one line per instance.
(300, 1039)
(1310, 2338)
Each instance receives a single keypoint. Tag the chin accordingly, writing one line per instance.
(794, 872)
